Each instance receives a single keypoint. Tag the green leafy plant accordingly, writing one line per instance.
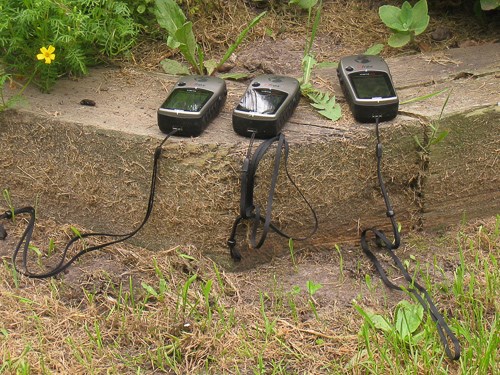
(405, 22)
(407, 321)
(82, 31)
(323, 102)
(435, 135)
(181, 36)
(312, 288)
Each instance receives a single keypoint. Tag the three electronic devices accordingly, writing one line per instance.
(270, 100)
(192, 103)
(368, 88)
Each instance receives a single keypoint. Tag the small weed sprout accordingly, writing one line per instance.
(312, 288)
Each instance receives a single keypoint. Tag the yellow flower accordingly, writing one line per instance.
(47, 54)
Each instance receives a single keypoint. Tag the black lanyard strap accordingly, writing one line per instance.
(445, 334)
(248, 211)
(26, 237)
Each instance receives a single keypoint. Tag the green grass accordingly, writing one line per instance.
(178, 312)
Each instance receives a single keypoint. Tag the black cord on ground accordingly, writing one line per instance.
(25, 240)
(420, 293)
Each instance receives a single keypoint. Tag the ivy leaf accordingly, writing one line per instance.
(399, 39)
(174, 67)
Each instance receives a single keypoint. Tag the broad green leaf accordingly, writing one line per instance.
(490, 4)
(389, 15)
(379, 322)
(210, 65)
(421, 18)
(172, 42)
(304, 4)
(399, 39)
(169, 15)
(174, 67)
(333, 113)
(406, 16)
(141, 8)
(408, 318)
(235, 76)
(375, 49)
(188, 46)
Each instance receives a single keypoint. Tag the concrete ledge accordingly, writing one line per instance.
(92, 165)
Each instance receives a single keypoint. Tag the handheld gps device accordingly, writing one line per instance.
(266, 105)
(367, 85)
(192, 103)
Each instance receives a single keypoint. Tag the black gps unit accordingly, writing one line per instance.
(193, 102)
(367, 85)
(266, 105)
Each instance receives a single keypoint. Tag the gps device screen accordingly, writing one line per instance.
(262, 101)
(189, 100)
(372, 85)
(191, 105)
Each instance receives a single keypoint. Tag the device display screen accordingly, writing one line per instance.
(372, 85)
(190, 100)
(262, 101)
